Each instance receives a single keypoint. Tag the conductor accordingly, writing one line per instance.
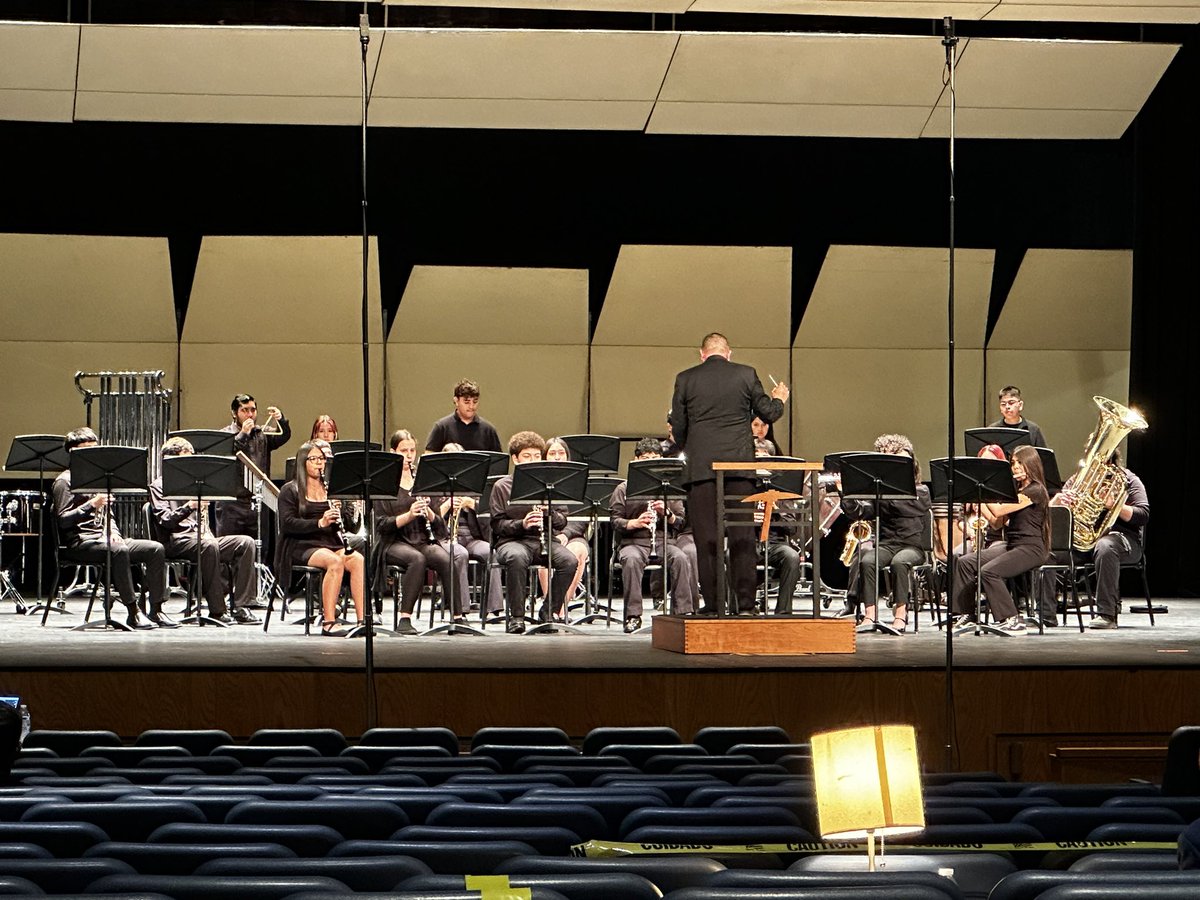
(711, 412)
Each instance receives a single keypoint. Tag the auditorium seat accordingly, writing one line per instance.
(13, 885)
(508, 755)
(222, 781)
(1000, 809)
(65, 840)
(149, 776)
(200, 742)
(417, 803)
(23, 850)
(378, 757)
(1037, 883)
(577, 817)
(352, 818)
(120, 820)
(230, 887)
(68, 765)
(548, 840)
(667, 873)
(435, 775)
(65, 876)
(287, 774)
(264, 791)
(676, 787)
(303, 840)
(261, 754)
(639, 754)
(132, 756)
(1090, 794)
(976, 874)
(444, 857)
(326, 741)
(769, 753)
(363, 873)
(545, 737)
(537, 893)
(995, 833)
(716, 740)
(898, 882)
(1137, 831)
(1187, 807)
(876, 892)
(208, 765)
(703, 817)
(572, 761)
(726, 768)
(340, 781)
(13, 807)
(1141, 861)
(717, 834)
(411, 737)
(574, 886)
(182, 859)
(70, 743)
(598, 738)
(613, 807)
(1074, 823)
(580, 776)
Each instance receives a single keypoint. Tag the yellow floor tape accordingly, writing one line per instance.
(610, 849)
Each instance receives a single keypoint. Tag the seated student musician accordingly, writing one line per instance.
(310, 531)
(632, 521)
(82, 528)
(353, 521)
(174, 524)
(573, 536)
(785, 558)
(475, 534)
(517, 532)
(416, 538)
(899, 545)
(1025, 547)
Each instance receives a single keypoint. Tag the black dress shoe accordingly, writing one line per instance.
(243, 616)
(225, 618)
(134, 620)
(514, 626)
(406, 627)
(632, 624)
(255, 604)
(162, 620)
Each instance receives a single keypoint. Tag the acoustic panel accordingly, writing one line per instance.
(88, 288)
(1068, 300)
(646, 6)
(1184, 12)
(842, 400)
(632, 385)
(665, 295)
(37, 71)
(279, 290)
(537, 387)
(304, 379)
(894, 297)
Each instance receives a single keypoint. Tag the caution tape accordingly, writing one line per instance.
(496, 887)
(611, 849)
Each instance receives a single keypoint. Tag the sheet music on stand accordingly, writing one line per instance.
(262, 483)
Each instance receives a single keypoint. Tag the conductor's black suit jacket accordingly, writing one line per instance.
(711, 411)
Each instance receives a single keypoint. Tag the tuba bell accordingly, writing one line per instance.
(1098, 480)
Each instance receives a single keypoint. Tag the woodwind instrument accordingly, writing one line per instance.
(336, 505)
(859, 531)
(654, 560)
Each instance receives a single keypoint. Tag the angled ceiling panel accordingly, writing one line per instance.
(519, 79)
(282, 290)
(220, 74)
(37, 71)
(648, 6)
(1183, 12)
(903, 9)
(674, 295)
(895, 297)
(1051, 89)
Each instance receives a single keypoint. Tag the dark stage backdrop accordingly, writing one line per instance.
(572, 198)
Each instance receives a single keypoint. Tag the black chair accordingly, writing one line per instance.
(65, 840)
(70, 743)
(411, 737)
(639, 754)
(65, 876)
(363, 873)
(859, 892)
(228, 887)
(667, 873)
(443, 857)
(309, 579)
(545, 839)
(120, 820)
(718, 834)
(326, 741)
(207, 765)
(508, 755)
(1090, 795)
(303, 840)
(1181, 771)
(133, 756)
(899, 882)
(613, 807)
(378, 757)
(675, 787)
(522, 736)
(12, 885)
(183, 859)
(331, 764)
(704, 817)
(1065, 576)
(580, 776)
(417, 803)
(976, 874)
(263, 791)
(716, 740)
(1041, 883)
(352, 818)
(599, 738)
(1146, 861)
(199, 742)
(260, 755)
(583, 820)
(23, 850)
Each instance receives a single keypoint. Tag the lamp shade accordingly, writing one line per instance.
(868, 780)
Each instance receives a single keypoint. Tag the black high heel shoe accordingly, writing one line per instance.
(329, 629)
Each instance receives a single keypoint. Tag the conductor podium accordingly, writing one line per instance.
(758, 635)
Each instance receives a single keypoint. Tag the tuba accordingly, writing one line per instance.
(1097, 480)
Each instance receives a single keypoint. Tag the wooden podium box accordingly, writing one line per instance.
(753, 635)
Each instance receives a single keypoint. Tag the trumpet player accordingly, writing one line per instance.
(310, 534)
(178, 525)
(414, 536)
(1120, 545)
(640, 525)
(238, 516)
(897, 546)
(517, 532)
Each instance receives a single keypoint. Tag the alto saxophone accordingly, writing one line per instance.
(859, 531)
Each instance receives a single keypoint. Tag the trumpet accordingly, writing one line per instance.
(859, 531)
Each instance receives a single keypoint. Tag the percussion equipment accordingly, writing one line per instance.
(19, 512)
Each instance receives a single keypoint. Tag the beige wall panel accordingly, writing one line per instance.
(1057, 387)
(792, 119)
(304, 380)
(653, 6)
(282, 290)
(86, 288)
(37, 71)
(910, 9)
(111, 106)
(1030, 124)
(896, 297)
(1069, 299)
(39, 378)
(842, 401)
(502, 305)
(538, 387)
(632, 386)
(587, 115)
(1057, 12)
(675, 295)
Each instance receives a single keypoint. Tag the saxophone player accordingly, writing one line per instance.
(1120, 545)
(174, 524)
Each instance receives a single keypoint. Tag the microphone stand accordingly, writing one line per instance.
(950, 42)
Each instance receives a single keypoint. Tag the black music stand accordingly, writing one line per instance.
(597, 499)
(657, 479)
(108, 470)
(454, 474)
(497, 461)
(337, 447)
(1008, 439)
(543, 483)
(1054, 479)
(202, 478)
(355, 475)
(207, 441)
(976, 480)
(877, 477)
(41, 453)
(602, 452)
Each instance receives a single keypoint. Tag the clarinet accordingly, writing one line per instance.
(424, 518)
(341, 532)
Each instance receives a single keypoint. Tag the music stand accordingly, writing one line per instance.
(790, 482)
(454, 474)
(265, 493)
(602, 452)
(1054, 479)
(597, 499)
(657, 479)
(877, 477)
(497, 461)
(545, 482)
(207, 441)
(337, 447)
(1008, 440)
(108, 470)
(201, 478)
(41, 453)
(355, 475)
(976, 480)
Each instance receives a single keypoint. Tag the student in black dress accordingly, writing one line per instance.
(309, 535)
(898, 546)
(415, 537)
(1025, 547)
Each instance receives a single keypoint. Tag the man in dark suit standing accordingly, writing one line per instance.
(711, 411)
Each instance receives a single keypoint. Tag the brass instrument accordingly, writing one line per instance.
(1097, 481)
(859, 531)
(454, 517)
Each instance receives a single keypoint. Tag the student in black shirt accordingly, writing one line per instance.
(237, 516)
(464, 426)
(1011, 415)
(1025, 547)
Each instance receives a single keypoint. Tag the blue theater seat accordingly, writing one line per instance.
(120, 820)
(575, 886)
(411, 737)
(303, 840)
(716, 740)
(598, 738)
(667, 873)
(65, 876)
(232, 887)
(326, 741)
(182, 859)
(545, 839)
(362, 873)
(443, 857)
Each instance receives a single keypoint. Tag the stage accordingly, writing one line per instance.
(1100, 703)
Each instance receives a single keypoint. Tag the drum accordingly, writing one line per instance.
(19, 512)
